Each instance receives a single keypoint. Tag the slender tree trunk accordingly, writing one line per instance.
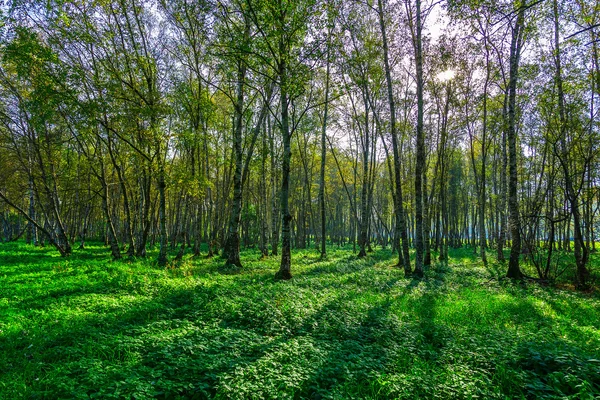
(323, 159)
(581, 251)
(112, 235)
(427, 223)
(420, 162)
(32, 228)
(232, 243)
(263, 197)
(144, 223)
(364, 214)
(503, 189)
(443, 189)
(513, 203)
(162, 215)
(482, 187)
(286, 217)
(400, 231)
(127, 209)
(274, 208)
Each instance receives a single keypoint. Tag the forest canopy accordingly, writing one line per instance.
(280, 125)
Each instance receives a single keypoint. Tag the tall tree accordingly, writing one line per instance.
(561, 149)
(417, 41)
(516, 46)
(400, 232)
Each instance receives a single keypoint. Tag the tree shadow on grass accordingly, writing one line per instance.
(579, 314)
(175, 343)
(381, 341)
(344, 265)
(111, 338)
(25, 261)
(354, 351)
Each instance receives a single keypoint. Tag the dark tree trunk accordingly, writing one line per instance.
(400, 231)
(274, 208)
(33, 236)
(144, 223)
(581, 251)
(482, 188)
(323, 156)
(513, 203)
(232, 243)
(364, 211)
(420, 162)
(286, 217)
(162, 214)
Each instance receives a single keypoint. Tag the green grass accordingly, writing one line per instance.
(343, 328)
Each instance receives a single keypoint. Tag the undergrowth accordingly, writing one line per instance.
(342, 328)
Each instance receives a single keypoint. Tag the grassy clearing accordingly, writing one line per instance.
(343, 328)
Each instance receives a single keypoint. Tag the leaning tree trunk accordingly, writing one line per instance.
(47, 233)
(54, 201)
(127, 209)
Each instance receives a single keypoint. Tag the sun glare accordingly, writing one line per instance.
(446, 75)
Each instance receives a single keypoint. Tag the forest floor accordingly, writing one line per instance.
(87, 327)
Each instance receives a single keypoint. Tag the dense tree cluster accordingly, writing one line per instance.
(281, 124)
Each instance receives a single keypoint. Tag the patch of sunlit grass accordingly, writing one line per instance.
(343, 327)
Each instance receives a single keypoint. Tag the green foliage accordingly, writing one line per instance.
(342, 328)
(556, 371)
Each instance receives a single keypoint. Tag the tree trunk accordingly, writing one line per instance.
(482, 187)
(274, 208)
(364, 212)
(112, 235)
(286, 217)
(323, 155)
(513, 203)
(33, 236)
(232, 243)
(581, 251)
(400, 231)
(420, 162)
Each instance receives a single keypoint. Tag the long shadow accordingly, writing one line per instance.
(24, 262)
(580, 315)
(64, 345)
(345, 265)
(187, 350)
(336, 266)
(358, 350)
(18, 260)
(353, 352)
(104, 338)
